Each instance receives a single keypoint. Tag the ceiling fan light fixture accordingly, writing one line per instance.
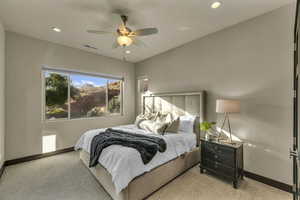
(216, 5)
(56, 29)
(124, 40)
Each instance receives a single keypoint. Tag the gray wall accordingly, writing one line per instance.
(24, 126)
(252, 62)
(2, 96)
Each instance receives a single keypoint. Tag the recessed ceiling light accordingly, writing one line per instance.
(127, 52)
(56, 29)
(216, 4)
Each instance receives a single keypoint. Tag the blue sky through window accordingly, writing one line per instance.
(80, 80)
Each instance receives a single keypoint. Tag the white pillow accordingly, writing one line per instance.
(187, 124)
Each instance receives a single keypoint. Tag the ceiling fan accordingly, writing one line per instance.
(126, 36)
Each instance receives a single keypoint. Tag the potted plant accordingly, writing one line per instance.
(207, 127)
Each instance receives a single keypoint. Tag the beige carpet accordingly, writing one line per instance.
(195, 186)
(63, 177)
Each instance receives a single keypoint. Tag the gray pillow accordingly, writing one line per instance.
(173, 126)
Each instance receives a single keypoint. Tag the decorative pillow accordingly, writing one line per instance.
(165, 118)
(173, 126)
(153, 126)
(153, 116)
(146, 116)
(187, 124)
(138, 120)
(150, 116)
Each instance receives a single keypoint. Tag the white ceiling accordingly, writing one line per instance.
(178, 21)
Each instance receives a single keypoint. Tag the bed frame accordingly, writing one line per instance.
(144, 185)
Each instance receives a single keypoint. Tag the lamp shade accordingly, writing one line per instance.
(228, 106)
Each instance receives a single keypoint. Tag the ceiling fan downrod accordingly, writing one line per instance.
(124, 19)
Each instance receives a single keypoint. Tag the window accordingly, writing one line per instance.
(114, 95)
(73, 95)
(56, 91)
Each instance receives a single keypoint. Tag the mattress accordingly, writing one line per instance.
(124, 163)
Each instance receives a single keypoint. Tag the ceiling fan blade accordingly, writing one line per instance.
(115, 45)
(146, 31)
(139, 43)
(98, 32)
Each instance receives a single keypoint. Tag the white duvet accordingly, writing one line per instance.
(124, 163)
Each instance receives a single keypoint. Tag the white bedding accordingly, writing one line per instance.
(124, 163)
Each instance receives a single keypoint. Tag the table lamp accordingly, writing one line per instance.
(227, 106)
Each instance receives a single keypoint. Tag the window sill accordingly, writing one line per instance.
(46, 121)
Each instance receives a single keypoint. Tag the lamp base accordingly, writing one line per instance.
(226, 119)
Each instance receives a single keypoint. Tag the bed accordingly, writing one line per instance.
(120, 170)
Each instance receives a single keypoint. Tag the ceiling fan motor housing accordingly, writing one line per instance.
(123, 30)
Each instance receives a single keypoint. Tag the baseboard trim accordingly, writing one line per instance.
(268, 181)
(37, 156)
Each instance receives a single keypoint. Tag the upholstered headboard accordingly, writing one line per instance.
(192, 103)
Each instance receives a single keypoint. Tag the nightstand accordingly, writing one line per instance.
(223, 159)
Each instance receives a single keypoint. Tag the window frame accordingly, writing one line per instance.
(68, 73)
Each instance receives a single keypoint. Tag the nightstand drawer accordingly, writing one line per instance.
(218, 168)
(223, 158)
(218, 149)
(221, 154)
